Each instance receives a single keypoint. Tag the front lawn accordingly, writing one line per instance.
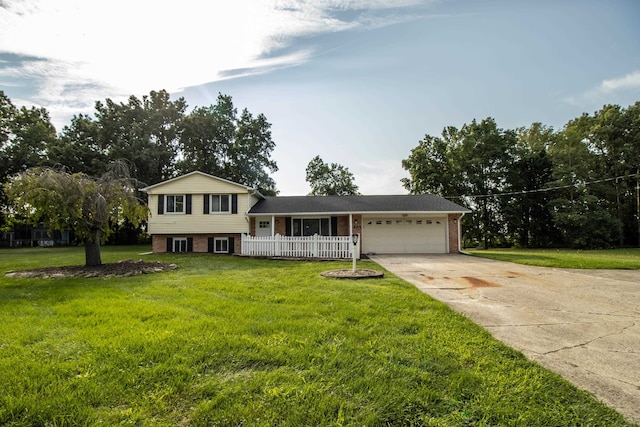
(616, 259)
(230, 341)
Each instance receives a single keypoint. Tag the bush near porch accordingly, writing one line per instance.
(233, 341)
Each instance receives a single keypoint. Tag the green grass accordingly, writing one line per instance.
(616, 259)
(230, 341)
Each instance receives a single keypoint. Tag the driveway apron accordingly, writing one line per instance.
(581, 324)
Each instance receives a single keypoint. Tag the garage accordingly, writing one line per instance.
(394, 235)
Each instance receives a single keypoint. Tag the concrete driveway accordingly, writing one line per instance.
(582, 324)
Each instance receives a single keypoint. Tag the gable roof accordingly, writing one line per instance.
(145, 189)
(271, 205)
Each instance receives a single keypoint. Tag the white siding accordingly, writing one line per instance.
(197, 184)
(198, 222)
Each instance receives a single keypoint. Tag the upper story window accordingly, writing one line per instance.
(174, 203)
(220, 203)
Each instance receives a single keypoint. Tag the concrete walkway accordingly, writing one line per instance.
(582, 324)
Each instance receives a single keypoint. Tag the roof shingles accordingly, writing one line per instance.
(273, 205)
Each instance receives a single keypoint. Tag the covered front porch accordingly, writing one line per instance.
(316, 246)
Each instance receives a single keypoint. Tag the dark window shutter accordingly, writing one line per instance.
(188, 209)
(334, 225)
(205, 202)
(287, 223)
(169, 244)
(234, 203)
(210, 244)
(160, 204)
(231, 248)
(189, 244)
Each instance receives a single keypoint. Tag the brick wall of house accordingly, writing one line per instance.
(280, 227)
(158, 243)
(200, 241)
(343, 226)
(453, 233)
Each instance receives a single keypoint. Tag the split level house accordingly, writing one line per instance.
(198, 212)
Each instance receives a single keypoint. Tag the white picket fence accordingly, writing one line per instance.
(331, 247)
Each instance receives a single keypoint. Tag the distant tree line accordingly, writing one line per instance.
(155, 135)
(535, 187)
(529, 187)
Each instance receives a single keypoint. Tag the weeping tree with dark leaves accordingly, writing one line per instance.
(76, 201)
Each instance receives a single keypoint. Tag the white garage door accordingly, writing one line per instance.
(404, 235)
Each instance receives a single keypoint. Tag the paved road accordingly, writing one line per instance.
(582, 324)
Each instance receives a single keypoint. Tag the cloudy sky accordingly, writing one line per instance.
(357, 82)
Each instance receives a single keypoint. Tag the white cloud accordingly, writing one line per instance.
(123, 47)
(613, 90)
(627, 82)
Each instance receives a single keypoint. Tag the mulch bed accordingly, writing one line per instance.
(124, 268)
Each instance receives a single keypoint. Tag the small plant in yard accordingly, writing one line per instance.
(233, 341)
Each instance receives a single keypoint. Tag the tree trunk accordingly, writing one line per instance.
(92, 250)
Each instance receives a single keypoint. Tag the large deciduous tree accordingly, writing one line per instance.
(144, 131)
(581, 207)
(526, 208)
(329, 179)
(79, 147)
(434, 165)
(469, 165)
(486, 155)
(218, 141)
(25, 134)
(76, 201)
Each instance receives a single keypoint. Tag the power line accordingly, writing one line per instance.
(543, 190)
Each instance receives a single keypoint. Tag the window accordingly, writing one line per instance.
(180, 244)
(220, 203)
(264, 224)
(311, 226)
(174, 204)
(221, 245)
